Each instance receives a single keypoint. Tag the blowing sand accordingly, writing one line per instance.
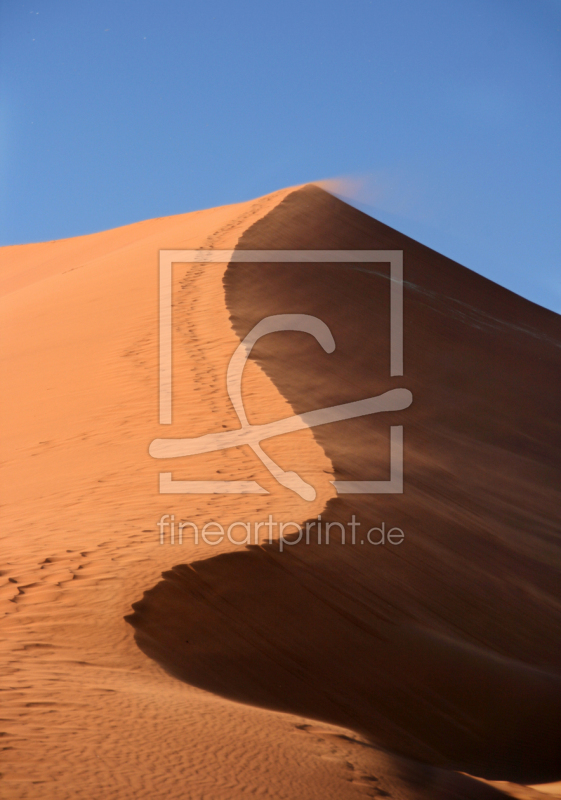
(443, 651)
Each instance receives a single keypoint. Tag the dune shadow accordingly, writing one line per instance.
(262, 627)
(444, 649)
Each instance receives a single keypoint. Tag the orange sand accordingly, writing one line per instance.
(85, 713)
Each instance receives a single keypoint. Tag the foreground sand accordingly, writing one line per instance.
(85, 713)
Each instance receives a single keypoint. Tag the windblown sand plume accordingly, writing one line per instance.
(319, 671)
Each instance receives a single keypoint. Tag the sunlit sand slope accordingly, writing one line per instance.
(84, 713)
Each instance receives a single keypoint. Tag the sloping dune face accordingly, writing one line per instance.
(444, 647)
(84, 712)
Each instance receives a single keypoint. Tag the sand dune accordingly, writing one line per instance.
(446, 648)
(458, 626)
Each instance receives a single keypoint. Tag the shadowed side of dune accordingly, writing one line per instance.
(291, 641)
(444, 648)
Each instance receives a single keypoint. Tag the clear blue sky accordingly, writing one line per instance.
(113, 111)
